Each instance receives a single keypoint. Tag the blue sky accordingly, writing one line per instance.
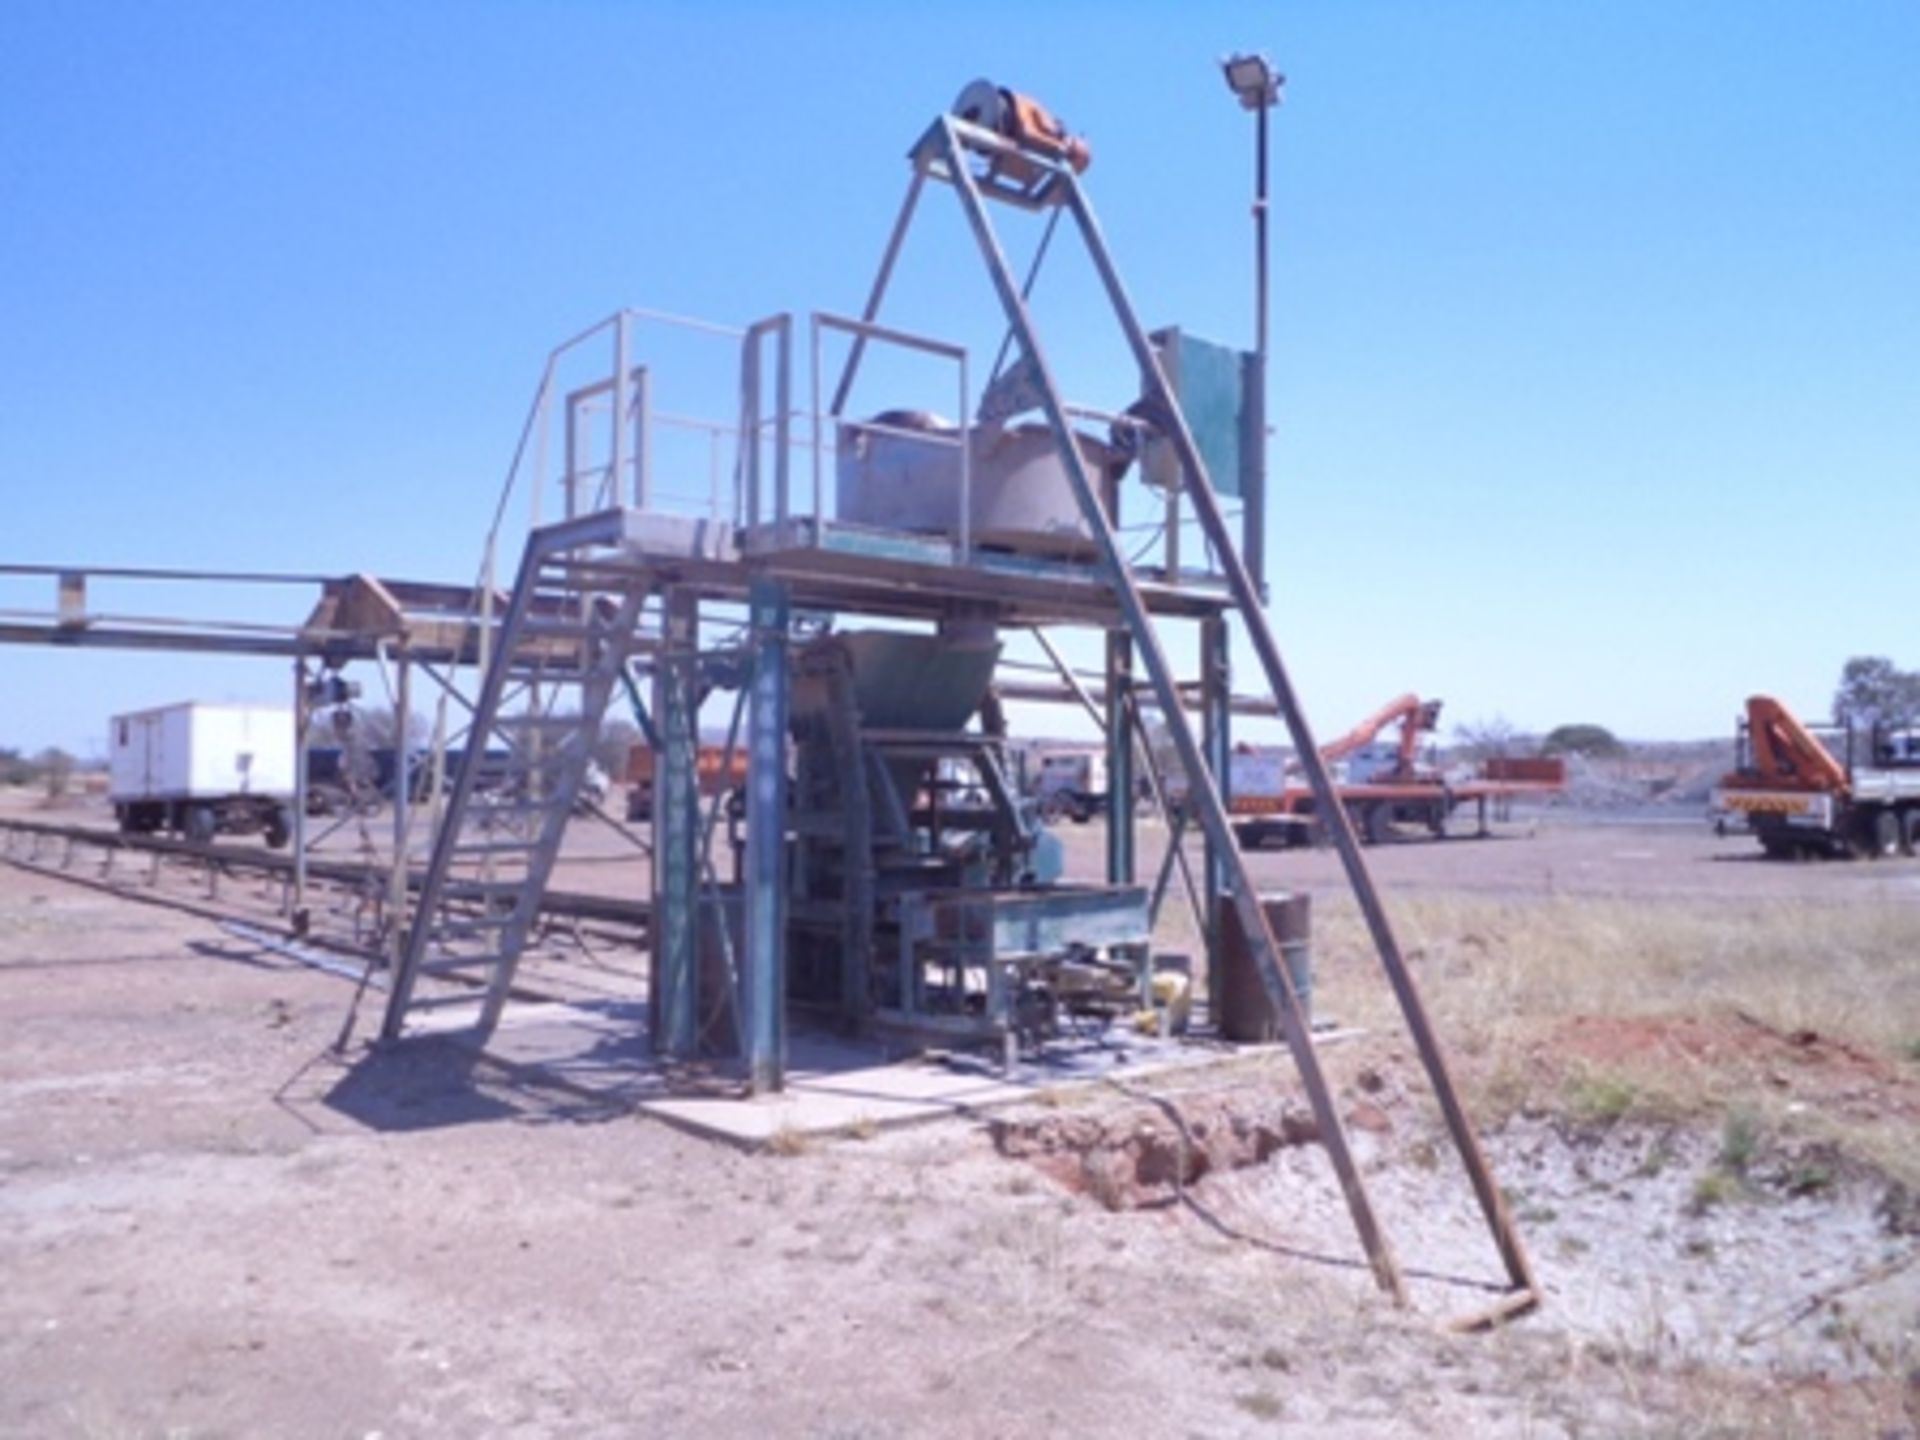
(1596, 328)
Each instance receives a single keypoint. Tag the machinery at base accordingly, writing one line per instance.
(923, 899)
(1797, 797)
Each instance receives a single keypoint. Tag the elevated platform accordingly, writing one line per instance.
(832, 565)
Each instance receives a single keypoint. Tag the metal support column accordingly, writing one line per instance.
(1216, 743)
(676, 828)
(1253, 522)
(1120, 774)
(763, 977)
(402, 797)
(302, 722)
(1119, 724)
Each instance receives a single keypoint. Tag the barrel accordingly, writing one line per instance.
(1241, 1007)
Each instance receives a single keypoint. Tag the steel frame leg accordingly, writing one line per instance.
(1212, 811)
(764, 973)
(1216, 739)
(1202, 793)
(1246, 594)
(676, 831)
(1121, 862)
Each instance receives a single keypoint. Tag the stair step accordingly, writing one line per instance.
(473, 928)
(538, 722)
(455, 964)
(517, 807)
(556, 594)
(446, 1002)
(459, 885)
(562, 629)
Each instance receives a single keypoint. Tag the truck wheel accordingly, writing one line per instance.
(1882, 834)
(277, 829)
(1251, 837)
(1380, 822)
(1910, 832)
(1053, 807)
(201, 824)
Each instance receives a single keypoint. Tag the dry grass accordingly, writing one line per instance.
(1849, 973)
(1505, 979)
(787, 1142)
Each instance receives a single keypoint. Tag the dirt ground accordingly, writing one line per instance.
(211, 1224)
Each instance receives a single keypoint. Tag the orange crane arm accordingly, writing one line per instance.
(1786, 752)
(1414, 716)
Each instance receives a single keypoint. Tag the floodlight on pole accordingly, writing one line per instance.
(1253, 78)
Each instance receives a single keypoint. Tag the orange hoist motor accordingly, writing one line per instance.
(1024, 121)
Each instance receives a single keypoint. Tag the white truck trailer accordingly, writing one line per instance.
(1072, 785)
(200, 770)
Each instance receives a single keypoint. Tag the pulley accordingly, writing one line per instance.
(1023, 120)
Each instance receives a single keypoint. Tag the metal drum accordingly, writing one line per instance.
(1241, 1007)
(1021, 499)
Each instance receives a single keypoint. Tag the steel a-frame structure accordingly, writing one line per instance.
(982, 165)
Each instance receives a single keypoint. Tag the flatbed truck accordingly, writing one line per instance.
(1266, 811)
(1831, 789)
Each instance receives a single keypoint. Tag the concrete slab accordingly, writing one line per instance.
(834, 1083)
(835, 1086)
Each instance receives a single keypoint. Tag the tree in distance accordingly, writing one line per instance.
(1592, 741)
(1874, 691)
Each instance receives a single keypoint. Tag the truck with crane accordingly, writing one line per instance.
(1827, 789)
(1384, 784)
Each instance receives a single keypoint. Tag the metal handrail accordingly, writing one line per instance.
(868, 330)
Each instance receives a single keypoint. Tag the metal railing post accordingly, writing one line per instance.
(813, 327)
(965, 530)
(782, 420)
(750, 429)
(642, 441)
(622, 386)
(302, 724)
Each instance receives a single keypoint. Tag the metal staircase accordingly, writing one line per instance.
(549, 666)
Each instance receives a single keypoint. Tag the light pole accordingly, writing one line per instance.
(1258, 85)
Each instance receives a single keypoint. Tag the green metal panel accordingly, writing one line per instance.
(1210, 382)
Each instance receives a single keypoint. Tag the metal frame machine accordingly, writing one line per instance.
(850, 589)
